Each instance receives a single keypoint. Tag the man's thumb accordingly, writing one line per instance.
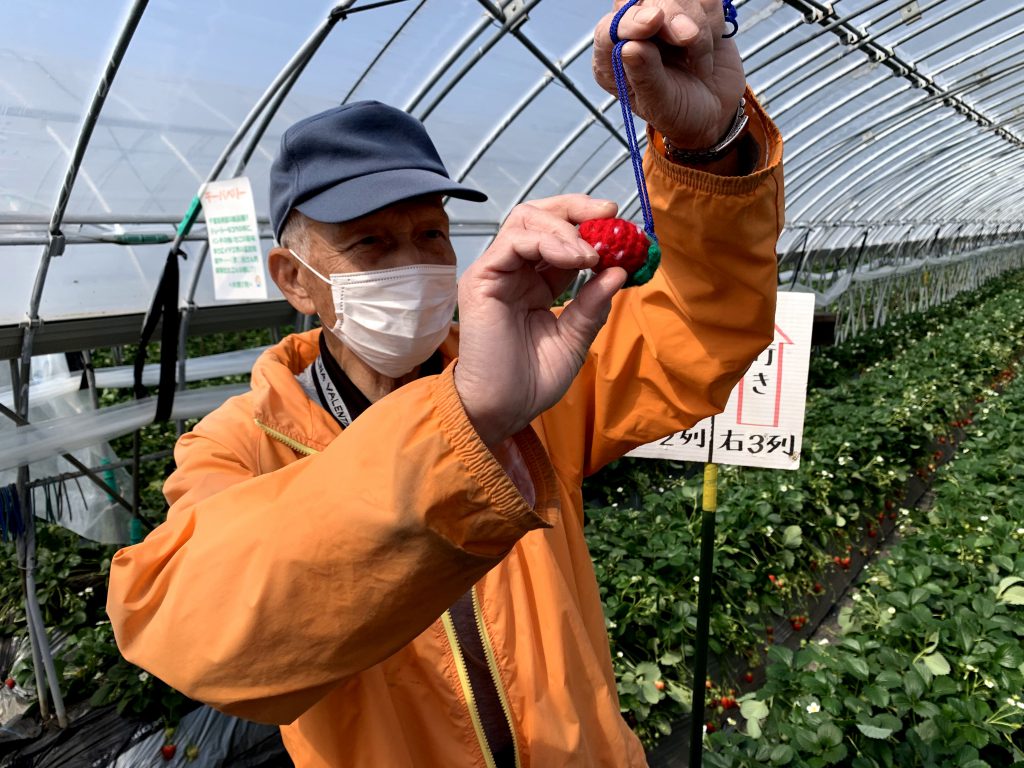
(583, 317)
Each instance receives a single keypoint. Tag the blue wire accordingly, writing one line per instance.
(730, 18)
(627, 113)
(627, 117)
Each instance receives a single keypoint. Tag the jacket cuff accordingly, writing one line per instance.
(518, 515)
(761, 130)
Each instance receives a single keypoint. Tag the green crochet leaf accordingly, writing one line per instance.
(646, 272)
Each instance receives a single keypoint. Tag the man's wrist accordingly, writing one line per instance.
(728, 142)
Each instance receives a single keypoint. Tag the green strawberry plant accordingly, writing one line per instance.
(928, 668)
(778, 531)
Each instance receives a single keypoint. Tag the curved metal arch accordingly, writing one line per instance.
(960, 89)
(971, 140)
(953, 171)
(454, 53)
(830, 27)
(55, 246)
(838, 105)
(264, 110)
(383, 50)
(928, 104)
(612, 166)
(856, 169)
(995, 200)
(829, 158)
(470, 64)
(908, 171)
(563, 78)
(910, 68)
(528, 98)
(960, 159)
(768, 40)
(559, 152)
(43, 662)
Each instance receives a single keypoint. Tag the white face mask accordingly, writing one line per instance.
(392, 319)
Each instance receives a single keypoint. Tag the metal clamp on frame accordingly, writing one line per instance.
(55, 244)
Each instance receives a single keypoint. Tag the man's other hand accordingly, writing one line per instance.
(516, 357)
(684, 78)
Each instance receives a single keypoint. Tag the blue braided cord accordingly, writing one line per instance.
(627, 118)
(730, 17)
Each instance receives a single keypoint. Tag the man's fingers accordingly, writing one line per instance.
(574, 209)
(647, 77)
(514, 247)
(697, 34)
(638, 23)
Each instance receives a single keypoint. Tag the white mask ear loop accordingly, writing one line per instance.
(306, 265)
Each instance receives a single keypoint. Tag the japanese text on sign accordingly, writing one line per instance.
(763, 422)
(235, 253)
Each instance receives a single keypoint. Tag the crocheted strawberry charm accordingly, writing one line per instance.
(622, 243)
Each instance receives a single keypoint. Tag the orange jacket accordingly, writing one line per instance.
(303, 574)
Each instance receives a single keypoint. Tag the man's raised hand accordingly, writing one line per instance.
(684, 78)
(516, 357)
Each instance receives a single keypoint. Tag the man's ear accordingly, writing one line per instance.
(284, 271)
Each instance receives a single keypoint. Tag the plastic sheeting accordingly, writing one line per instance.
(839, 284)
(40, 440)
(889, 116)
(51, 382)
(78, 505)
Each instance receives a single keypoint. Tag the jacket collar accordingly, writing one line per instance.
(279, 402)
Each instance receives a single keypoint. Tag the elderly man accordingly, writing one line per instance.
(380, 546)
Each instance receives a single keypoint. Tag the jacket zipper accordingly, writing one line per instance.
(492, 665)
(467, 689)
(293, 444)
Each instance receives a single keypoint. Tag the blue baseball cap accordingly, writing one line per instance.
(354, 159)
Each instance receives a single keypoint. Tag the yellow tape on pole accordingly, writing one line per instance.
(710, 487)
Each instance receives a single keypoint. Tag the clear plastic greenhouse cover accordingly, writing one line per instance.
(901, 120)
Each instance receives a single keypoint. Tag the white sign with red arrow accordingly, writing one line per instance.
(763, 422)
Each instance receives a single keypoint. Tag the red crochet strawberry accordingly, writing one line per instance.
(621, 243)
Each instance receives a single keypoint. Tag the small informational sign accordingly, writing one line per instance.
(235, 253)
(763, 422)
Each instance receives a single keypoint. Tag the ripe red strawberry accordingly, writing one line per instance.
(749, 677)
(710, 727)
(818, 588)
(167, 751)
(618, 242)
(9, 682)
